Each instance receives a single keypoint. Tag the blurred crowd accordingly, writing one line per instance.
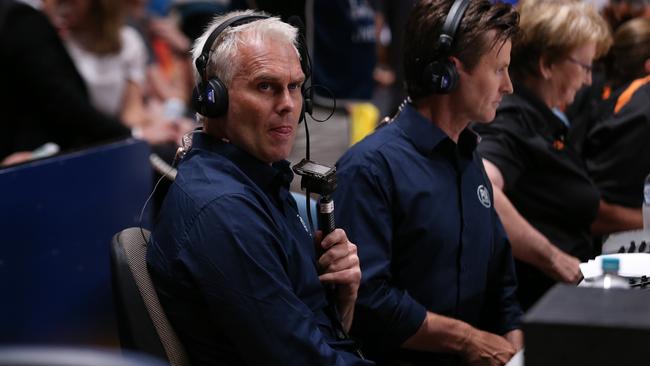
(134, 61)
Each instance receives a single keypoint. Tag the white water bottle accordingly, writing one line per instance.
(646, 204)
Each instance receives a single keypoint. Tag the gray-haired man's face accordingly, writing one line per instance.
(265, 100)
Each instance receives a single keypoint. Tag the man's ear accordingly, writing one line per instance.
(646, 66)
(457, 63)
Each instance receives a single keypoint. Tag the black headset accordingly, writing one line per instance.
(210, 96)
(441, 75)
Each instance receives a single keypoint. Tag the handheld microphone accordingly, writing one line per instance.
(320, 179)
(326, 214)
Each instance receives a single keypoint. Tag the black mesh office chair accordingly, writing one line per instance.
(68, 356)
(142, 322)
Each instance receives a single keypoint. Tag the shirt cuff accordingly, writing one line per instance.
(400, 317)
(411, 318)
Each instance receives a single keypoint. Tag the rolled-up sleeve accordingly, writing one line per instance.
(386, 313)
(501, 146)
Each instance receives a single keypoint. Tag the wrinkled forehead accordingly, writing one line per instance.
(274, 57)
(254, 37)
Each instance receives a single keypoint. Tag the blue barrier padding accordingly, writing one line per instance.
(57, 217)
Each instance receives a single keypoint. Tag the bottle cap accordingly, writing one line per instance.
(610, 264)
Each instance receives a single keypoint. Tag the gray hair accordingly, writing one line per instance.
(222, 62)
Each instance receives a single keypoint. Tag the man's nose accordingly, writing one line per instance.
(507, 88)
(287, 100)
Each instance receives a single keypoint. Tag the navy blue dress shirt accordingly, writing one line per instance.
(234, 264)
(419, 207)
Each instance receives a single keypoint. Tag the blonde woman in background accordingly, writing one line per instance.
(543, 194)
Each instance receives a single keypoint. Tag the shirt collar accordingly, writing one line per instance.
(426, 136)
(268, 177)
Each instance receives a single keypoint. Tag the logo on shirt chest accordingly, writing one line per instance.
(303, 225)
(484, 196)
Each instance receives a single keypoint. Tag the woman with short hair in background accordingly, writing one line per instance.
(543, 193)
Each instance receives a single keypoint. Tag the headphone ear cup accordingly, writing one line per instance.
(216, 98)
(210, 99)
(441, 76)
(197, 100)
(452, 75)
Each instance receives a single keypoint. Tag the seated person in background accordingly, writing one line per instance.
(617, 12)
(111, 57)
(542, 192)
(438, 283)
(169, 75)
(586, 107)
(232, 262)
(617, 147)
(42, 96)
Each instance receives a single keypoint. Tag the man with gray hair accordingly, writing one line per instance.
(233, 263)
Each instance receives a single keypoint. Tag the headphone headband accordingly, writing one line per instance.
(450, 27)
(202, 61)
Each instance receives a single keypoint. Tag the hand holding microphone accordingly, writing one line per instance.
(337, 259)
(338, 263)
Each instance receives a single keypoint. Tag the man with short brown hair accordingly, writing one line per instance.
(438, 281)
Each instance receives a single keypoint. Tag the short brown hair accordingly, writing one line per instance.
(425, 25)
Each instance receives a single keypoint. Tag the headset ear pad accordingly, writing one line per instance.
(441, 76)
(210, 98)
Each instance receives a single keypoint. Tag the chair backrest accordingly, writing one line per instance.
(142, 322)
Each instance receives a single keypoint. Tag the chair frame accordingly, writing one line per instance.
(142, 323)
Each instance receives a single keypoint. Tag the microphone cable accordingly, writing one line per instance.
(166, 170)
(308, 144)
(168, 174)
(326, 222)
